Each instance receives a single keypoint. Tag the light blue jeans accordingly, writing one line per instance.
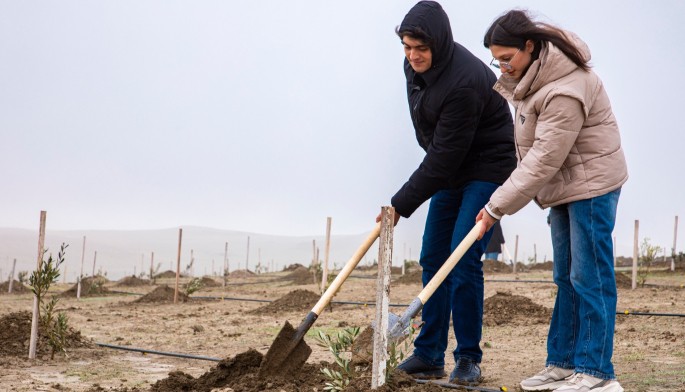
(581, 333)
(451, 215)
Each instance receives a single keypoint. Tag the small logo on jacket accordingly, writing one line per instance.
(523, 119)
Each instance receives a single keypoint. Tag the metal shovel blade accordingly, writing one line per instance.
(399, 327)
(287, 354)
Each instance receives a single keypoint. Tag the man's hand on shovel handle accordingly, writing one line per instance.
(397, 218)
(488, 222)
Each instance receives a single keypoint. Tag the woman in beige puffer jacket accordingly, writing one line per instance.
(570, 159)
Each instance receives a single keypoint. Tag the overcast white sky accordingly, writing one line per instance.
(269, 116)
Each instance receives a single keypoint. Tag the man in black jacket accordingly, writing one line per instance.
(466, 129)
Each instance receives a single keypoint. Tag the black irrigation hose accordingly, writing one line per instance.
(372, 303)
(519, 281)
(145, 351)
(629, 313)
(455, 386)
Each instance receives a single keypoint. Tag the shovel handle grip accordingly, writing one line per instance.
(452, 261)
(346, 271)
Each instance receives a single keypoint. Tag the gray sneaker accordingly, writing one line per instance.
(549, 378)
(580, 382)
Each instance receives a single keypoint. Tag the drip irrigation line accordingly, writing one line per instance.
(518, 281)
(232, 299)
(146, 351)
(362, 277)
(448, 385)
(629, 313)
(373, 303)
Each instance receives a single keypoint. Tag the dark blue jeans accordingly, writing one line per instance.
(581, 333)
(451, 215)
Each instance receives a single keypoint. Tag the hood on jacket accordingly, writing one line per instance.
(432, 19)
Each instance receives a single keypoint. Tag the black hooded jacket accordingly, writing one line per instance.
(464, 126)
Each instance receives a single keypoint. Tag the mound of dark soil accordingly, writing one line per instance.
(410, 277)
(298, 300)
(15, 334)
(505, 308)
(240, 374)
(132, 281)
(300, 276)
(242, 274)
(90, 287)
(168, 274)
(490, 266)
(17, 288)
(623, 281)
(206, 281)
(546, 266)
(163, 293)
(293, 267)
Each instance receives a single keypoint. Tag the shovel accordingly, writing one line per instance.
(289, 352)
(398, 327)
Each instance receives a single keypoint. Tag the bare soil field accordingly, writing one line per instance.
(649, 351)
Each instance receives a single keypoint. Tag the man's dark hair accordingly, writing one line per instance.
(416, 33)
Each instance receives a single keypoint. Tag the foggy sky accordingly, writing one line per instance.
(270, 116)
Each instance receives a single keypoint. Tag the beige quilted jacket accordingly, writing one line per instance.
(567, 139)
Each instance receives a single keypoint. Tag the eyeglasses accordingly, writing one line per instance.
(504, 64)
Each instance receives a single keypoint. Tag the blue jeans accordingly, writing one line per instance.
(451, 215)
(581, 333)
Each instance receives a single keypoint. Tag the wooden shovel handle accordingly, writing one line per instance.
(454, 258)
(347, 269)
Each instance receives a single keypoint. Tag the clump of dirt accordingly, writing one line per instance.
(241, 274)
(240, 373)
(300, 276)
(410, 277)
(15, 334)
(505, 308)
(168, 274)
(362, 347)
(293, 267)
(92, 286)
(206, 281)
(163, 293)
(131, 281)
(298, 300)
(623, 281)
(544, 266)
(399, 382)
(490, 266)
(17, 288)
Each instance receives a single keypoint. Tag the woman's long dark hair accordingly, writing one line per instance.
(515, 27)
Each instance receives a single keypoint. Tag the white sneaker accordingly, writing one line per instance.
(580, 382)
(549, 378)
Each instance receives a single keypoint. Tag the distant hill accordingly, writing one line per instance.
(120, 251)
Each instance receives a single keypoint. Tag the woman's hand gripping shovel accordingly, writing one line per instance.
(289, 352)
(398, 327)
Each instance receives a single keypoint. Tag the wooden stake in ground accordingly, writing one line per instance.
(78, 281)
(34, 320)
(178, 264)
(675, 238)
(404, 257)
(95, 257)
(152, 266)
(14, 264)
(380, 332)
(614, 247)
(635, 254)
(247, 256)
(516, 251)
(324, 275)
(226, 266)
